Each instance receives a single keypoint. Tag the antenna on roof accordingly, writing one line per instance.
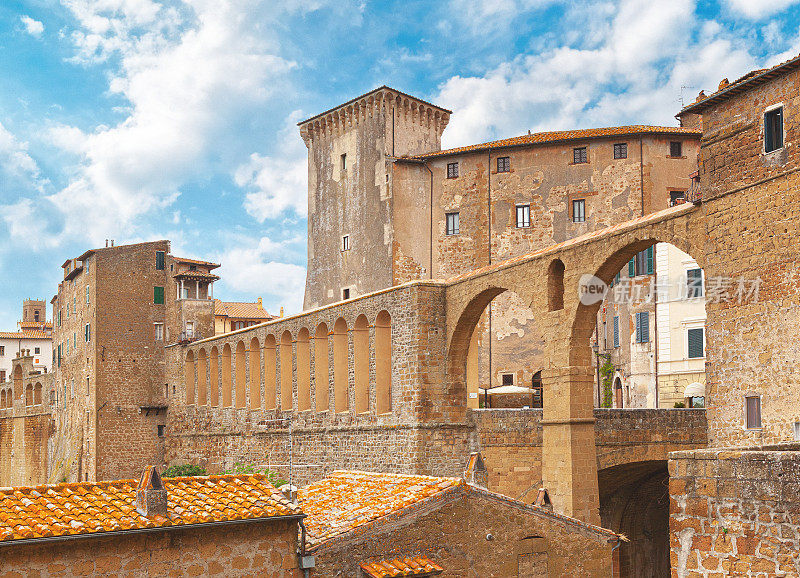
(680, 98)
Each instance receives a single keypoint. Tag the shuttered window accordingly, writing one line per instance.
(773, 130)
(159, 259)
(643, 327)
(695, 339)
(87, 333)
(694, 283)
(752, 412)
(616, 331)
(642, 263)
(158, 295)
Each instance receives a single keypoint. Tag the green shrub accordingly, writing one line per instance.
(272, 475)
(679, 405)
(184, 470)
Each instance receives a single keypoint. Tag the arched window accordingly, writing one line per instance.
(270, 371)
(383, 362)
(340, 366)
(202, 376)
(37, 394)
(303, 371)
(241, 374)
(213, 365)
(555, 285)
(361, 363)
(226, 376)
(286, 371)
(321, 368)
(188, 373)
(255, 374)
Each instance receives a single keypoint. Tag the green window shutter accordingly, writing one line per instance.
(158, 295)
(642, 327)
(631, 268)
(159, 259)
(650, 261)
(695, 338)
(616, 331)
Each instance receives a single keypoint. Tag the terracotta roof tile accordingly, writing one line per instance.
(201, 275)
(26, 334)
(35, 325)
(241, 310)
(93, 507)
(566, 135)
(346, 500)
(196, 262)
(417, 566)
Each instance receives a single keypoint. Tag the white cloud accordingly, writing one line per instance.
(188, 72)
(14, 157)
(32, 27)
(631, 71)
(251, 267)
(758, 9)
(277, 183)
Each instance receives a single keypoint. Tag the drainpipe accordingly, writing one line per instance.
(430, 221)
(306, 562)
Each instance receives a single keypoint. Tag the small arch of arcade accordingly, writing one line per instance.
(313, 363)
(549, 282)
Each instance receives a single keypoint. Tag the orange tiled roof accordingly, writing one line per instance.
(417, 566)
(566, 135)
(26, 334)
(346, 500)
(35, 325)
(240, 310)
(752, 78)
(197, 262)
(201, 275)
(94, 507)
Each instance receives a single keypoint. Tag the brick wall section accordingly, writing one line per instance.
(735, 512)
(260, 548)
(453, 533)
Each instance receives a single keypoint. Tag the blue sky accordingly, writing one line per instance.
(148, 119)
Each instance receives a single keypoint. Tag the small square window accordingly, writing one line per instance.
(752, 406)
(523, 216)
(676, 149)
(503, 164)
(345, 242)
(773, 130)
(344, 162)
(452, 170)
(37, 350)
(621, 151)
(346, 293)
(676, 197)
(579, 155)
(452, 224)
(508, 379)
(579, 211)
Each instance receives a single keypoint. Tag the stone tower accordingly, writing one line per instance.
(34, 310)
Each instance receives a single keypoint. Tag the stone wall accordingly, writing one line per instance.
(473, 534)
(252, 549)
(735, 512)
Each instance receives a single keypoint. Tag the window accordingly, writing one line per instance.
(190, 329)
(159, 260)
(87, 294)
(158, 331)
(185, 293)
(36, 350)
(158, 295)
(694, 283)
(643, 327)
(36, 316)
(344, 162)
(694, 338)
(641, 264)
(87, 385)
(508, 379)
(676, 149)
(579, 211)
(675, 197)
(503, 164)
(74, 304)
(87, 333)
(2, 375)
(345, 293)
(621, 151)
(752, 410)
(523, 216)
(616, 331)
(160, 430)
(773, 130)
(2, 350)
(452, 170)
(345, 242)
(59, 355)
(452, 224)
(579, 155)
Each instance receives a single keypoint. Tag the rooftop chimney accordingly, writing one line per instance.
(260, 304)
(476, 473)
(106, 242)
(151, 497)
(281, 311)
(290, 492)
(112, 242)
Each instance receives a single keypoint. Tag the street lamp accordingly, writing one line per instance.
(596, 349)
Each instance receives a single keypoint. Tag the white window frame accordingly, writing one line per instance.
(582, 203)
(693, 323)
(158, 331)
(686, 270)
(526, 209)
(87, 294)
(768, 109)
(345, 243)
(457, 221)
(189, 329)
